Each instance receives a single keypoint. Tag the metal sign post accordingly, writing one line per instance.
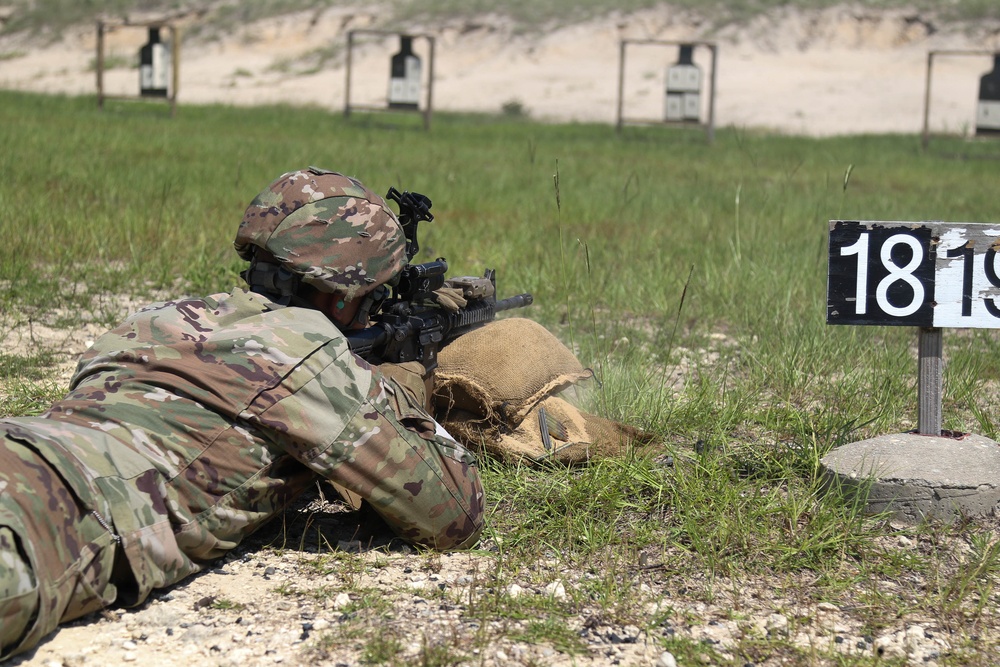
(930, 379)
(929, 275)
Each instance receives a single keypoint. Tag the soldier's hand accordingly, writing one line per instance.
(450, 298)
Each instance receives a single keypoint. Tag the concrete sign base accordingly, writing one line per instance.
(914, 476)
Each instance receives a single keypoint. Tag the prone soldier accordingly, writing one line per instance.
(195, 421)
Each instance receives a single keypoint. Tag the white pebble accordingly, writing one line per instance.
(667, 659)
(777, 623)
(914, 637)
(556, 590)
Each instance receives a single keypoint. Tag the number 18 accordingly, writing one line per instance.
(896, 274)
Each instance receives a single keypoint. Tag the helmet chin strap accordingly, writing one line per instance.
(273, 281)
(370, 305)
(280, 285)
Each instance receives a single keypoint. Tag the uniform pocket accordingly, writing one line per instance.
(73, 473)
(18, 592)
(408, 412)
(412, 416)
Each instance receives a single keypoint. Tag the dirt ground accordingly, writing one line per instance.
(336, 600)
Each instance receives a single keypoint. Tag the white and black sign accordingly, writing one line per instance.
(404, 76)
(923, 274)
(154, 66)
(988, 106)
(683, 91)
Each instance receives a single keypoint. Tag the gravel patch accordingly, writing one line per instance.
(348, 593)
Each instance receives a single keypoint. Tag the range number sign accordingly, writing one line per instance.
(923, 274)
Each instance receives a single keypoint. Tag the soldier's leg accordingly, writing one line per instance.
(18, 592)
(55, 557)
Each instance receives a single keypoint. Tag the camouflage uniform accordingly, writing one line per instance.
(185, 429)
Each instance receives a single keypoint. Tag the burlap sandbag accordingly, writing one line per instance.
(496, 388)
(574, 436)
(502, 370)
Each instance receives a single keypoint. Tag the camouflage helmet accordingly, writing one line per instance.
(327, 229)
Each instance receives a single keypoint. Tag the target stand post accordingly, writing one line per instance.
(683, 86)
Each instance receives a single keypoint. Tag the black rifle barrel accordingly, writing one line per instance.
(518, 301)
(483, 311)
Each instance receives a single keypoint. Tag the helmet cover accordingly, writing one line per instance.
(326, 228)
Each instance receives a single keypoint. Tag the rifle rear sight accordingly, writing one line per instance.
(418, 281)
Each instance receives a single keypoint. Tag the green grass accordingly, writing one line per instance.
(691, 278)
(129, 200)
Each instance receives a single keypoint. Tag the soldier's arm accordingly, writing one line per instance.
(351, 425)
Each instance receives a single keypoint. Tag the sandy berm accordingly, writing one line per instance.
(842, 70)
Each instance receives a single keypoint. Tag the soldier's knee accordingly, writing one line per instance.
(18, 595)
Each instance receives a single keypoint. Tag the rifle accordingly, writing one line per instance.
(411, 325)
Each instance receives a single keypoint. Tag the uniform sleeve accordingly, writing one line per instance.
(351, 425)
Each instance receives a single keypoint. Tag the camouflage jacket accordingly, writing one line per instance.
(195, 421)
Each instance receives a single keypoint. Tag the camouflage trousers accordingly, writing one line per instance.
(56, 558)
